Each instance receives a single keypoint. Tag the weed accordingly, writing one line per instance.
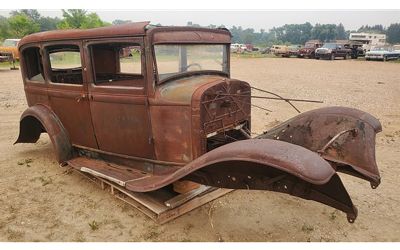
(14, 235)
(307, 228)
(25, 162)
(79, 237)
(45, 181)
(332, 216)
(94, 225)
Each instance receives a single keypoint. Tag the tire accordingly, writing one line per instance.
(347, 56)
(332, 58)
(385, 58)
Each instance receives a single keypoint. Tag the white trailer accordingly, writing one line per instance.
(369, 40)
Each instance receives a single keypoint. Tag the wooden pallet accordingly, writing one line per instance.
(162, 205)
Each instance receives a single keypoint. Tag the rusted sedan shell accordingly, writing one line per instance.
(344, 136)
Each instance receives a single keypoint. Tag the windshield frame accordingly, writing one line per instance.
(190, 73)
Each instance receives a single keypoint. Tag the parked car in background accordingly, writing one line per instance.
(383, 54)
(332, 51)
(279, 50)
(9, 50)
(293, 50)
(238, 48)
(309, 49)
(265, 50)
(357, 50)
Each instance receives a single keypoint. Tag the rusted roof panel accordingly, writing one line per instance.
(130, 29)
(189, 35)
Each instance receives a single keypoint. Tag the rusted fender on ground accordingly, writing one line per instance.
(343, 136)
(39, 119)
(262, 164)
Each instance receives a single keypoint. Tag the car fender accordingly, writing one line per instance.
(261, 164)
(343, 136)
(39, 119)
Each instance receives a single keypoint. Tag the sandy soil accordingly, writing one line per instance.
(42, 202)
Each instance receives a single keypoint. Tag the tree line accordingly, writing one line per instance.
(28, 21)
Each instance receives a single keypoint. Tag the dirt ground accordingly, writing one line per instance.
(42, 202)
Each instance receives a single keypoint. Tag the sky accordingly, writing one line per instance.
(267, 19)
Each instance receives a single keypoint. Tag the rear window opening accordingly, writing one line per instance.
(33, 64)
(65, 64)
(117, 64)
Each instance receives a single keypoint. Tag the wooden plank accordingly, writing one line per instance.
(153, 206)
(182, 198)
(192, 204)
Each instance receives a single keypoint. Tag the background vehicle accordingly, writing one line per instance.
(309, 49)
(174, 113)
(239, 48)
(332, 51)
(293, 50)
(383, 54)
(279, 50)
(368, 40)
(9, 50)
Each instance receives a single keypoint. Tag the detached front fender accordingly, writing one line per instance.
(343, 136)
(262, 164)
(40, 119)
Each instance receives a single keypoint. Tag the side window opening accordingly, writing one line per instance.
(33, 64)
(117, 64)
(65, 64)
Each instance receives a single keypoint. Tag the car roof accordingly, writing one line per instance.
(130, 29)
(176, 33)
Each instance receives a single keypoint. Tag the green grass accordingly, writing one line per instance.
(8, 65)
(253, 55)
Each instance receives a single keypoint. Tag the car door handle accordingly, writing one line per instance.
(80, 98)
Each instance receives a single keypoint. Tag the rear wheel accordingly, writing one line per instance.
(347, 56)
(332, 56)
(385, 58)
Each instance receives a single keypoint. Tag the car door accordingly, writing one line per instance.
(118, 100)
(342, 50)
(67, 90)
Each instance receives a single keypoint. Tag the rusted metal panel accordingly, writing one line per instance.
(189, 35)
(130, 29)
(41, 119)
(172, 132)
(355, 148)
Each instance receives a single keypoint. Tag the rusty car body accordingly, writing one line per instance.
(177, 115)
(308, 51)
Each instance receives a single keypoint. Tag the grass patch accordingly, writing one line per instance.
(8, 65)
(253, 55)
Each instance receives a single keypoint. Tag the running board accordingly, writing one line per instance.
(115, 173)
